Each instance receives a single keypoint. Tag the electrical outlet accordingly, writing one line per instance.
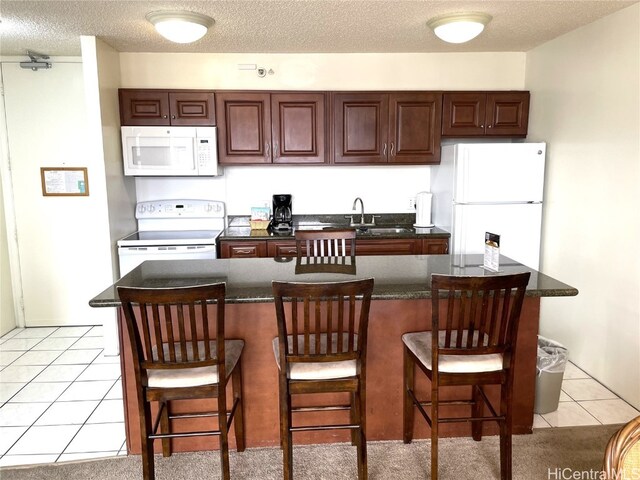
(412, 204)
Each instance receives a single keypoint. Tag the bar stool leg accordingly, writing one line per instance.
(238, 419)
(361, 444)
(224, 432)
(286, 439)
(506, 427)
(434, 428)
(408, 411)
(476, 411)
(148, 470)
(164, 428)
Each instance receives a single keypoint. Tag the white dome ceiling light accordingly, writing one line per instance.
(459, 27)
(180, 26)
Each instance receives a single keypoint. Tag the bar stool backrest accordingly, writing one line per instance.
(175, 328)
(476, 315)
(329, 320)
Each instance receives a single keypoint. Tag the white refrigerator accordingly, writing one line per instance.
(491, 187)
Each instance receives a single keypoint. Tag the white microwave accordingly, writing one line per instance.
(170, 151)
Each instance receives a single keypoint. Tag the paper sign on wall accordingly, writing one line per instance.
(64, 181)
(491, 251)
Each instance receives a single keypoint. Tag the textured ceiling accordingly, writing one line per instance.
(290, 26)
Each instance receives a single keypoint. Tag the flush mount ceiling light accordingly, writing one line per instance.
(460, 27)
(180, 26)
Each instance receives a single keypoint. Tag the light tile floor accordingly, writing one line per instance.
(584, 401)
(61, 398)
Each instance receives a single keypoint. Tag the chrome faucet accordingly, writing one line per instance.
(361, 209)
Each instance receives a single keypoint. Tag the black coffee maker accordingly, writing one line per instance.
(282, 213)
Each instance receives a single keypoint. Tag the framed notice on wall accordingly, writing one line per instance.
(64, 181)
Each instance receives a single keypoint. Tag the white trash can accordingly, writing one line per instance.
(552, 361)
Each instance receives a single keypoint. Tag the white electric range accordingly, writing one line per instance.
(172, 230)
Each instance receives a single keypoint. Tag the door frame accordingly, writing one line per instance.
(9, 209)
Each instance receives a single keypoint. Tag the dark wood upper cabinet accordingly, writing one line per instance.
(298, 128)
(244, 133)
(507, 113)
(147, 107)
(377, 128)
(414, 127)
(472, 114)
(259, 128)
(361, 126)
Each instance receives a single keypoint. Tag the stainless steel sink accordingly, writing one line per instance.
(385, 230)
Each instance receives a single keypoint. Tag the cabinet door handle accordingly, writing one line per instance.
(384, 149)
(490, 126)
(267, 150)
(393, 149)
(275, 149)
(173, 116)
(164, 116)
(243, 251)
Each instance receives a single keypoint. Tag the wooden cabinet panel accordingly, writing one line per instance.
(414, 127)
(258, 128)
(298, 128)
(243, 249)
(507, 113)
(191, 108)
(144, 107)
(360, 125)
(164, 107)
(402, 246)
(281, 248)
(435, 246)
(463, 114)
(287, 248)
(472, 114)
(244, 130)
(374, 128)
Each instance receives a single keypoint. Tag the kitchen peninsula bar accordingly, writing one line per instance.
(401, 303)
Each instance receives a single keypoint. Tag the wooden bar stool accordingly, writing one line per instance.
(322, 347)
(180, 353)
(474, 325)
(339, 242)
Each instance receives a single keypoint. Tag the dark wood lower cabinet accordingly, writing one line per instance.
(243, 249)
(281, 248)
(287, 248)
(435, 246)
(407, 246)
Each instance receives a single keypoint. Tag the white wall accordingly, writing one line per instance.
(63, 242)
(102, 79)
(585, 89)
(391, 71)
(330, 190)
(315, 189)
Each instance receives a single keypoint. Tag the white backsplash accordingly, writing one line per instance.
(331, 190)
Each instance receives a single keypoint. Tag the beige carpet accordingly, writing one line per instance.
(547, 454)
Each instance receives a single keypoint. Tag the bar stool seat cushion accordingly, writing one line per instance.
(420, 345)
(317, 370)
(193, 377)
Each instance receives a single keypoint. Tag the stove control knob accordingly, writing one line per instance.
(142, 208)
(152, 208)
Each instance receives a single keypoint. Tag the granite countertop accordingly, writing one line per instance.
(249, 280)
(239, 228)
